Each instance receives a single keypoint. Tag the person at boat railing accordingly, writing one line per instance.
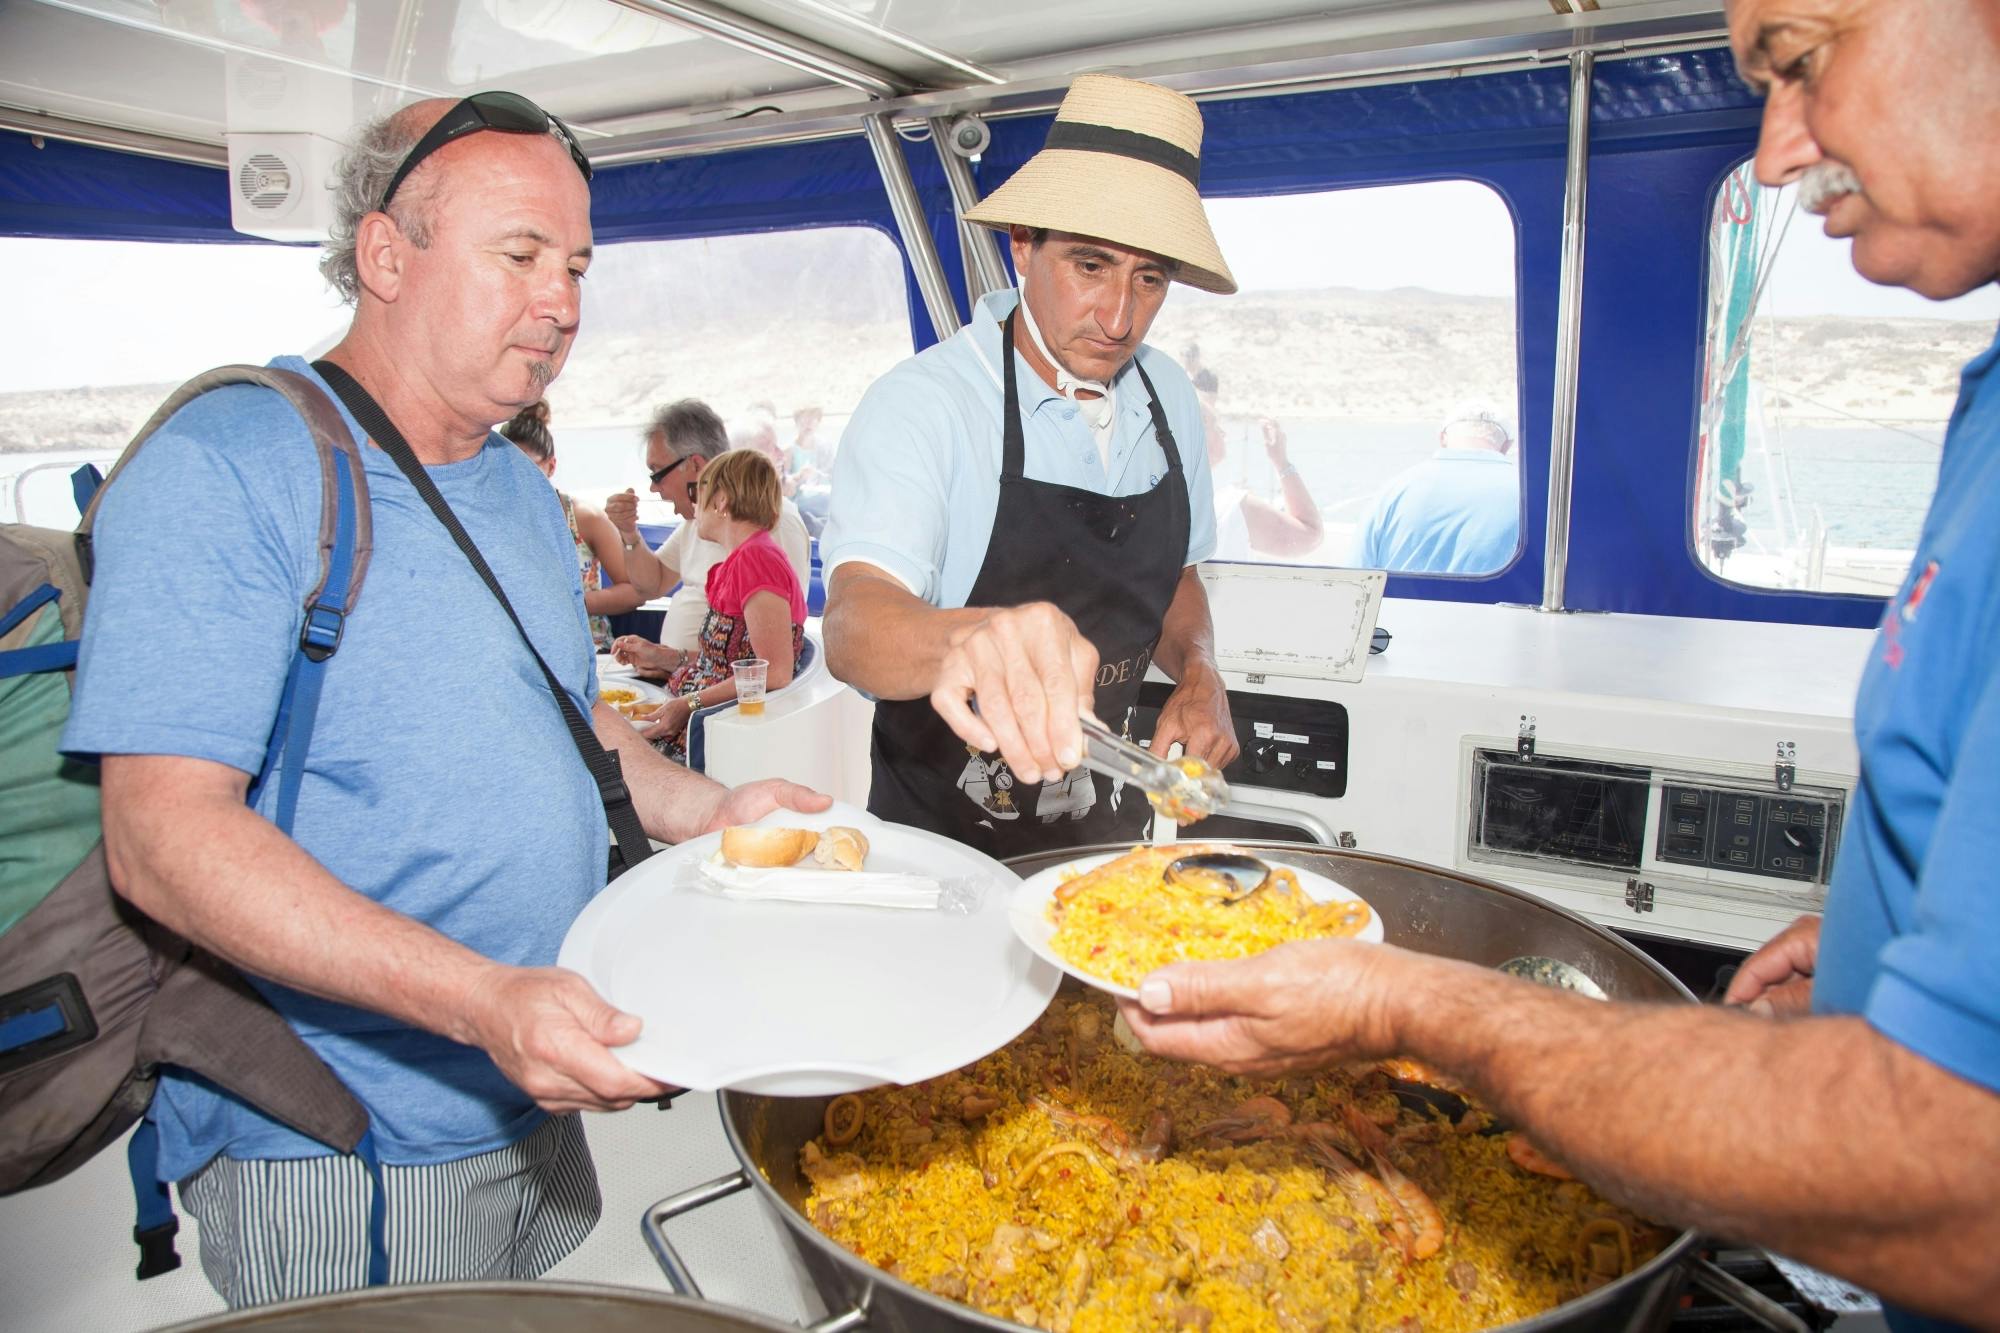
(448, 832)
(1846, 1109)
(1457, 512)
(1017, 512)
(682, 439)
(1247, 526)
(600, 559)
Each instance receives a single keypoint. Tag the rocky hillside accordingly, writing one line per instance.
(1337, 353)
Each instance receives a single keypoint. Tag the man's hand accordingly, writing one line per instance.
(1777, 980)
(623, 511)
(1033, 673)
(1298, 1006)
(1274, 442)
(1197, 715)
(550, 1033)
(753, 800)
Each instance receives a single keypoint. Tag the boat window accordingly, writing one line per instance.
(1360, 388)
(780, 332)
(1826, 399)
(108, 328)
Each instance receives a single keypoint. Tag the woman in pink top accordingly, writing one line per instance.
(755, 605)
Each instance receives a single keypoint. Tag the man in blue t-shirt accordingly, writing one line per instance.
(446, 832)
(1457, 512)
(1861, 1131)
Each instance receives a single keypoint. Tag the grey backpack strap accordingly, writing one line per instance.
(330, 436)
(208, 1020)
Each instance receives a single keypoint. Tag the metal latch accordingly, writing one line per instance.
(1787, 768)
(1638, 895)
(1347, 840)
(1524, 739)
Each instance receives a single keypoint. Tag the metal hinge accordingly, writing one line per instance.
(1347, 840)
(1638, 895)
(1787, 768)
(1524, 739)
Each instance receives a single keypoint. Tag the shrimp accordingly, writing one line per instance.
(1423, 1214)
(1528, 1157)
(1368, 1195)
(1258, 1118)
(1110, 1136)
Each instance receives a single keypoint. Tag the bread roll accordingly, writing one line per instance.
(745, 846)
(841, 849)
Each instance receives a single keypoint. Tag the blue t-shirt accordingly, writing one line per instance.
(917, 479)
(440, 781)
(1911, 939)
(1458, 512)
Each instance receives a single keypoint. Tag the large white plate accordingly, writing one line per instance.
(1029, 910)
(798, 999)
(645, 689)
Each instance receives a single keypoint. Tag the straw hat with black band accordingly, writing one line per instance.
(1122, 164)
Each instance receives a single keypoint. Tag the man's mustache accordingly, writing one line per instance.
(1824, 182)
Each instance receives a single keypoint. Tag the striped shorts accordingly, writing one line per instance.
(276, 1231)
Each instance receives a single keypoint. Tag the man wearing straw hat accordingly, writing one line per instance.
(1017, 512)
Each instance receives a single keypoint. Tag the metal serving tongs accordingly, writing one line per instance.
(1184, 789)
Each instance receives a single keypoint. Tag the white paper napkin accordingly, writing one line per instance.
(860, 888)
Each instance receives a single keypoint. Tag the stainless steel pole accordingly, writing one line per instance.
(774, 43)
(909, 213)
(1569, 335)
(983, 270)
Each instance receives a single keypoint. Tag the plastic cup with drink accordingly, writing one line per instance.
(750, 673)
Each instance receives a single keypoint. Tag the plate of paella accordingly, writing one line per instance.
(636, 699)
(1112, 918)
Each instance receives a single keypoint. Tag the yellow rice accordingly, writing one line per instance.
(1123, 920)
(1215, 1235)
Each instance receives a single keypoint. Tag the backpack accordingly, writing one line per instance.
(95, 997)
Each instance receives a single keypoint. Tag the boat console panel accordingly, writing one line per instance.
(1288, 744)
(1717, 833)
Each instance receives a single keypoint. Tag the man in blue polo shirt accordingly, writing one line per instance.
(1861, 1131)
(1017, 511)
(447, 832)
(1457, 512)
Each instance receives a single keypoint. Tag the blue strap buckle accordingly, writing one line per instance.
(320, 634)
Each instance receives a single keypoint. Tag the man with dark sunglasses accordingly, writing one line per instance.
(681, 440)
(447, 832)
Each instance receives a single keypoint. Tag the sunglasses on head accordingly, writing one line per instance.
(509, 113)
(660, 474)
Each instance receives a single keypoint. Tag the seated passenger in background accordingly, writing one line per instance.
(683, 439)
(758, 429)
(1458, 512)
(808, 469)
(600, 557)
(809, 461)
(1247, 526)
(756, 604)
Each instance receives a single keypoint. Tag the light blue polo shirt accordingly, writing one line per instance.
(1458, 512)
(917, 479)
(1911, 940)
(441, 781)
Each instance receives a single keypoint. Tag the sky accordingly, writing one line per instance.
(188, 307)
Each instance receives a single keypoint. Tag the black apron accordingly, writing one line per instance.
(1112, 563)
